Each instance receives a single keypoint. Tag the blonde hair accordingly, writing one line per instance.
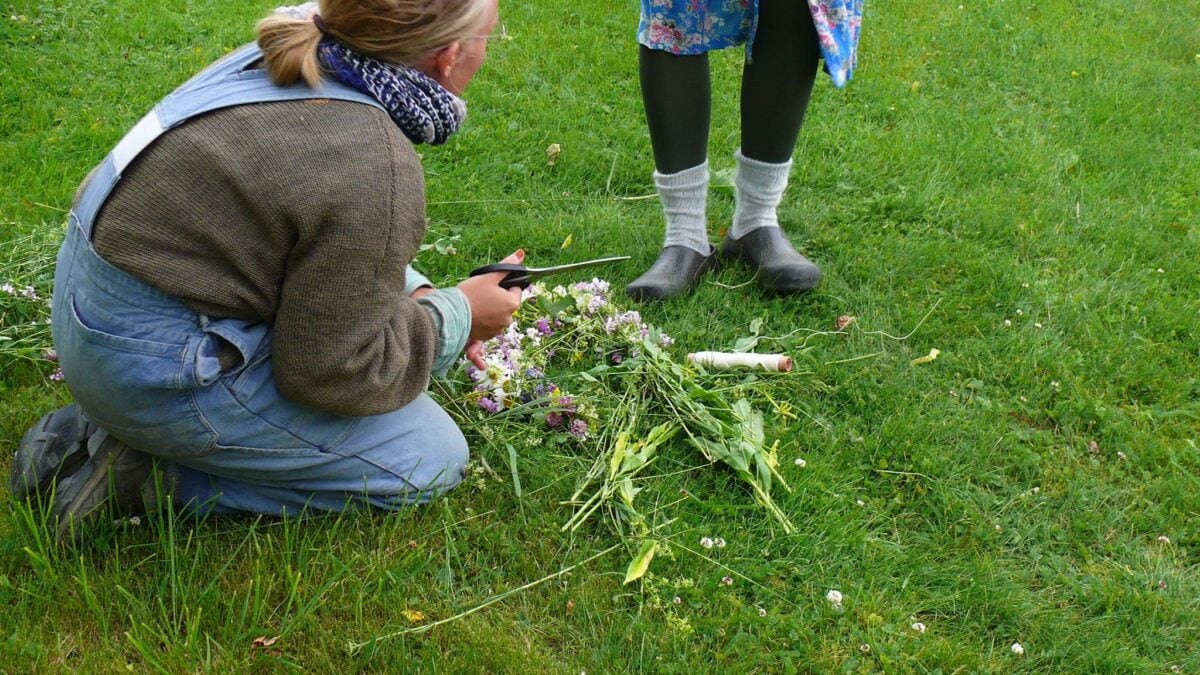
(397, 31)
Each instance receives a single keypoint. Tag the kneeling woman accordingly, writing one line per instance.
(233, 298)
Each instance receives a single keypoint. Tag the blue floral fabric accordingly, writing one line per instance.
(698, 26)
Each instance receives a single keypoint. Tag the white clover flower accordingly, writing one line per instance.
(1164, 539)
(834, 597)
(919, 627)
(860, 502)
(719, 542)
(1007, 323)
(678, 600)
(1017, 648)
(706, 542)
(726, 581)
(762, 612)
(800, 462)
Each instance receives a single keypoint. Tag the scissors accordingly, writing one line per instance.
(520, 276)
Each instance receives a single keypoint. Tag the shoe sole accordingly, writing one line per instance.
(74, 511)
(29, 481)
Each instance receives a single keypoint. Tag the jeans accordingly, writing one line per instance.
(145, 367)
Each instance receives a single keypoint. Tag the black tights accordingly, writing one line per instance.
(776, 87)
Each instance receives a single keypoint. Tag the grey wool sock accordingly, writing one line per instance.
(684, 198)
(760, 187)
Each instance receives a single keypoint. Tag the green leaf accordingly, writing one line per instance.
(722, 178)
(641, 562)
(618, 454)
(756, 326)
(745, 344)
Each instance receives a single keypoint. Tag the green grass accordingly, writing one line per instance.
(1028, 171)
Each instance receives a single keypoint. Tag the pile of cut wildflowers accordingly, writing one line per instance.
(574, 363)
(571, 327)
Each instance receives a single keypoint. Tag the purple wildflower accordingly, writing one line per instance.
(566, 403)
(616, 357)
(57, 375)
(543, 326)
(579, 428)
(8, 288)
(489, 405)
(666, 340)
(554, 420)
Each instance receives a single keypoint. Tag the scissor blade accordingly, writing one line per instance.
(535, 272)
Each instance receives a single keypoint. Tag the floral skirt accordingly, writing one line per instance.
(698, 26)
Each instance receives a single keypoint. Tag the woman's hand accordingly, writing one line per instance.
(492, 307)
(474, 353)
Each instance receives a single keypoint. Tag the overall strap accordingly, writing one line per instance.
(231, 81)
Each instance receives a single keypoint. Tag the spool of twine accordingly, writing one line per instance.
(773, 363)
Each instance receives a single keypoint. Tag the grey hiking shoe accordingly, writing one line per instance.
(54, 448)
(115, 474)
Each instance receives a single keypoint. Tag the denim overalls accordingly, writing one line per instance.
(145, 366)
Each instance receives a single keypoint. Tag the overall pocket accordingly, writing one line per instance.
(126, 376)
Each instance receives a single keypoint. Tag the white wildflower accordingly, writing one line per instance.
(1164, 539)
(834, 597)
(762, 612)
(800, 462)
(706, 542)
(726, 581)
(919, 627)
(1007, 323)
(719, 542)
(1017, 648)
(1120, 455)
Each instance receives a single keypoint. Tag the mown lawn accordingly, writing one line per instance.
(1013, 183)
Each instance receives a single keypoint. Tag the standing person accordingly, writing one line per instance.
(233, 308)
(785, 39)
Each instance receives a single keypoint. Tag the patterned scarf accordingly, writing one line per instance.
(423, 109)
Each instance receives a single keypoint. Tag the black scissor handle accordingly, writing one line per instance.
(518, 275)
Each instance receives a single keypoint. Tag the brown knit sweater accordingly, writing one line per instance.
(302, 214)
